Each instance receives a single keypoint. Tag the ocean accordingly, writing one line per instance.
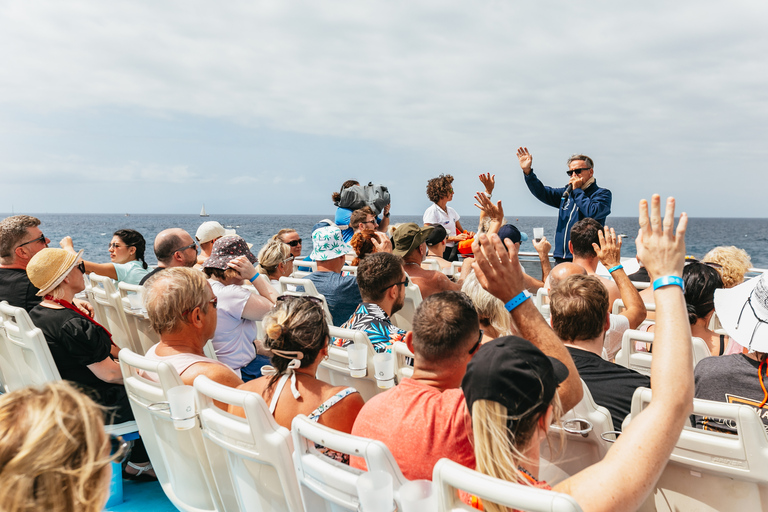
(93, 232)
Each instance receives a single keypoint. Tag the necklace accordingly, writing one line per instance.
(527, 475)
(412, 263)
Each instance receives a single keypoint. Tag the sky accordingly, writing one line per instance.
(266, 107)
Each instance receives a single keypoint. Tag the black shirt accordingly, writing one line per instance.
(16, 288)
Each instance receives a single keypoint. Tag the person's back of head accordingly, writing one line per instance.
(583, 235)
(377, 273)
(734, 263)
(173, 294)
(440, 187)
(362, 243)
(12, 233)
(54, 454)
(167, 242)
(700, 281)
(445, 325)
(578, 307)
(490, 310)
(408, 238)
(563, 270)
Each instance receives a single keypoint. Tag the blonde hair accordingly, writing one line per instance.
(498, 450)
(489, 309)
(271, 255)
(279, 235)
(173, 293)
(54, 455)
(735, 263)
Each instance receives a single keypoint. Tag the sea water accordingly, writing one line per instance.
(93, 232)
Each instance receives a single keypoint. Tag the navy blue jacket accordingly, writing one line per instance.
(593, 202)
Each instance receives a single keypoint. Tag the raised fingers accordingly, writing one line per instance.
(669, 216)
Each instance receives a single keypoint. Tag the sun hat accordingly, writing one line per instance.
(408, 236)
(327, 244)
(226, 249)
(742, 309)
(48, 268)
(511, 232)
(514, 373)
(210, 230)
(437, 235)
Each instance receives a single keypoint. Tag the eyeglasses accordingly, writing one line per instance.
(476, 345)
(114, 245)
(406, 283)
(214, 302)
(190, 246)
(577, 171)
(294, 243)
(118, 449)
(289, 258)
(41, 238)
(81, 267)
(370, 222)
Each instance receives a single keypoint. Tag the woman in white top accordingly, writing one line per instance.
(126, 252)
(440, 192)
(228, 268)
(276, 261)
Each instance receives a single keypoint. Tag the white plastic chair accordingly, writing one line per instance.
(327, 485)
(335, 369)
(309, 289)
(108, 304)
(132, 298)
(629, 357)
(402, 355)
(542, 302)
(349, 268)
(618, 307)
(583, 428)
(178, 456)
(298, 274)
(710, 470)
(450, 477)
(404, 318)
(251, 457)
(431, 264)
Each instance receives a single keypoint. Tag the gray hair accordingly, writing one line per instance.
(586, 159)
(12, 231)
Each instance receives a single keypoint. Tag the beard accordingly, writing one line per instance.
(399, 303)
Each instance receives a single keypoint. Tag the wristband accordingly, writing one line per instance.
(614, 269)
(667, 281)
(254, 277)
(517, 300)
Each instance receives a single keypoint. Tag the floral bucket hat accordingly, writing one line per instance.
(327, 244)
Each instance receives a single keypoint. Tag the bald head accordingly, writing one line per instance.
(168, 245)
(562, 271)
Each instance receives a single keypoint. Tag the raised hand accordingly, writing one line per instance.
(525, 158)
(488, 181)
(659, 246)
(381, 242)
(609, 250)
(494, 212)
(243, 266)
(542, 246)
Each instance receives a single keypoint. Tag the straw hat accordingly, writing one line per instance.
(48, 268)
(742, 309)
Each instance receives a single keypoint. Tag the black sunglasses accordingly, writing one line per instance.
(577, 171)
(41, 238)
(190, 246)
(476, 345)
(118, 449)
(81, 267)
(294, 243)
(406, 283)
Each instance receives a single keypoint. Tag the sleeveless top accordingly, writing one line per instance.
(179, 361)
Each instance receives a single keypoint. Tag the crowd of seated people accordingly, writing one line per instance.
(490, 374)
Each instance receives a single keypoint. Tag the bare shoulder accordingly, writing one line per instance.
(215, 371)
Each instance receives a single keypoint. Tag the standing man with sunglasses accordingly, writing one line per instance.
(578, 199)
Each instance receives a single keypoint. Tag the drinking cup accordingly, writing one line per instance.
(374, 489)
(358, 360)
(182, 402)
(538, 234)
(418, 496)
(384, 365)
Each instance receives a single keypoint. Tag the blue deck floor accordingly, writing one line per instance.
(144, 497)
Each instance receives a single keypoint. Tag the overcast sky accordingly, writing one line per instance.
(267, 107)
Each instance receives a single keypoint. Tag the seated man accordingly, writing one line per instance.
(182, 308)
(737, 378)
(341, 292)
(382, 282)
(579, 312)
(20, 239)
(410, 244)
(173, 248)
(583, 235)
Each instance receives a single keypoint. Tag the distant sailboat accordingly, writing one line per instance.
(202, 212)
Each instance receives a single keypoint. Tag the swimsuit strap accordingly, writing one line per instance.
(315, 415)
(278, 390)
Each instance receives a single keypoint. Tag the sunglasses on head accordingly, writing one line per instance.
(476, 345)
(577, 171)
(294, 243)
(290, 298)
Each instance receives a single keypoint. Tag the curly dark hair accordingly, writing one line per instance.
(363, 245)
(440, 187)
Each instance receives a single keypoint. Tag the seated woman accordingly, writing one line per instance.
(436, 245)
(732, 263)
(511, 386)
(126, 250)
(275, 261)
(81, 348)
(440, 192)
(72, 471)
(298, 336)
(291, 237)
(230, 265)
(495, 321)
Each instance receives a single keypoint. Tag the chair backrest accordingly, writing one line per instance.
(110, 306)
(542, 302)
(325, 484)
(350, 269)
(630, 358)
(251, 457)
(311, 265)
(335, 369)
(430, 264)
(710, 470)
(618, 307)
(450, 477)
(25, 359)
(178, 456)
(286, 283)
(404, 318)
(402, 355)
(132, 298)
(582, 449)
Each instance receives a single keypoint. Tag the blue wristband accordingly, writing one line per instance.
(254, 277)
(517, 300)
(667, 281)
(614, 269)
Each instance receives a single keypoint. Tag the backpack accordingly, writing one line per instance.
(357, 196)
